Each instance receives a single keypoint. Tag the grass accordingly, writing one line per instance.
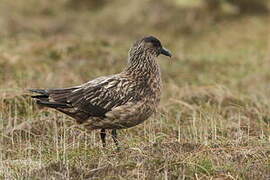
(214, 118)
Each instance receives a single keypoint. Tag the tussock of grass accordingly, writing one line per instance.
(214, 115)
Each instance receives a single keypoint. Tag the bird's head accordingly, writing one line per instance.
(148, 46)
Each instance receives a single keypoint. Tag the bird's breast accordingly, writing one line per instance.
(150, 89)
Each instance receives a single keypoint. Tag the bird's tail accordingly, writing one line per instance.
(42, 94)
(50, 98)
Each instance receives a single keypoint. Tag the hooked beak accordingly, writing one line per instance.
(165, 52)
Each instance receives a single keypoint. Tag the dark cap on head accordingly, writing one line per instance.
(156, 44)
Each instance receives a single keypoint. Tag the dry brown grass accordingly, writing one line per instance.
(214, 119)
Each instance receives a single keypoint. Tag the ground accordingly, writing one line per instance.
(214, 117)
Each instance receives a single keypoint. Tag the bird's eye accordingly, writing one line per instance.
(156, 44)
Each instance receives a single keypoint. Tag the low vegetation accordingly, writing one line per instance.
(214, 118)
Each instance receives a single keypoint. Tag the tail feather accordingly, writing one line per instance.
(57, 99)
(39, 91)
(53, 104)
(40, 96)
(52, 98)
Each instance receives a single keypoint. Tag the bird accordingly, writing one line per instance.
(113, 102)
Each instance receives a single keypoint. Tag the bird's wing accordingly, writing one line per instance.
(97, 98)
(92, 99)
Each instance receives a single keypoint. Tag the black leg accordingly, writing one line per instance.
(114, 136)
(103, 137)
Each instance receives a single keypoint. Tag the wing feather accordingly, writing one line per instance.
(92, 99)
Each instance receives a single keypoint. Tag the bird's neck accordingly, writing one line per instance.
(142, 66)
(145, 70)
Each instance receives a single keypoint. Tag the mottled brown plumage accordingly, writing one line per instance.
(114, 102)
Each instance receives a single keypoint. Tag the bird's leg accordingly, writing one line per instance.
(103, 137)
(114, 136)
